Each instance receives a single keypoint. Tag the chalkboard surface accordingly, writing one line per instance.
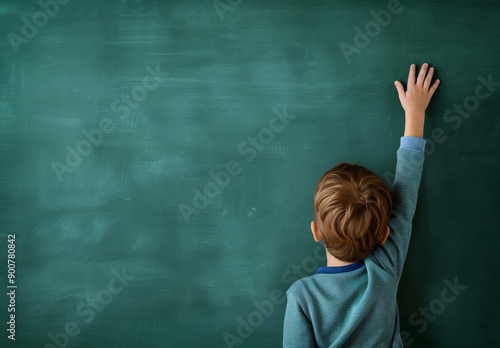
(158, 162)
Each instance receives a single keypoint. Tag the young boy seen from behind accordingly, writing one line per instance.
(366, 230)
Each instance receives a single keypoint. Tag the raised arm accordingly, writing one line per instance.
(416, 98)
(414, 101)
(410, 158)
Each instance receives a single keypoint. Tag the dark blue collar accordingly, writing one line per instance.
(340, 269)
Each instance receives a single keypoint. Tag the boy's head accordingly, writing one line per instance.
(352, 206)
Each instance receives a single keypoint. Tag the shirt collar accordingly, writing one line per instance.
(340, 269)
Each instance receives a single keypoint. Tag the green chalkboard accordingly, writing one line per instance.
(158, 163)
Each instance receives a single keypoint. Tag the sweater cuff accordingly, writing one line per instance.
(413, 143)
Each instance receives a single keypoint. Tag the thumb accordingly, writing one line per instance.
(400, 89)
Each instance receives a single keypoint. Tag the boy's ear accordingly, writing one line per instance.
(382, 241)
(315, 232)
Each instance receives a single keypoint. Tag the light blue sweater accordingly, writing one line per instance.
(355, 305)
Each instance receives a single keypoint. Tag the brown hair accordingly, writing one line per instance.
(352, 206)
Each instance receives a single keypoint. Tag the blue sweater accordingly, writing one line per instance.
(355, 305)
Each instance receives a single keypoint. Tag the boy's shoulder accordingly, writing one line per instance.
(302, 286)
(298, 290)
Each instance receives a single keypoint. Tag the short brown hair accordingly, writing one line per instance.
(352, 206)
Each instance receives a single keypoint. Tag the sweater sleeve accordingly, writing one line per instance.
(410, 160)
(297, 330)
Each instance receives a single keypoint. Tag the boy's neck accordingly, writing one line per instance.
(332, 261)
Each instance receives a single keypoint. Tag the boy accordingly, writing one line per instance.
(366, 231)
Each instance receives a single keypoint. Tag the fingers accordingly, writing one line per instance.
(421, 74)
(411, 75)
(424, 78)
(428, 79)
(400, 89)
(434, 87)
